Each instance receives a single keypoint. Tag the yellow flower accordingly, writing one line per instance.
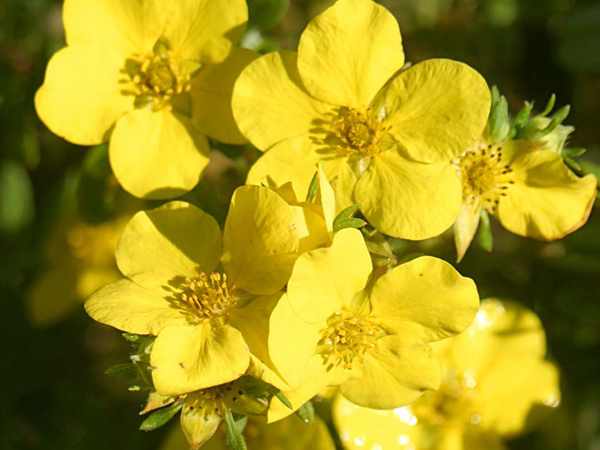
(154, 78)
(288, 434)
(495, 385)
(338, 326)
(79, 259)
(210, 323)
(385, 135)
(530, 190)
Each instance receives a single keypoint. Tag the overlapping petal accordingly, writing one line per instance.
(326, 279)
(157, 155)
(395, 375)
(424, 300)
(205, 30)
(437, 109)
(348, 53)
(129, 26)
(260, 241)
(159, 248)
(269, 91)
(211, 97)
(81, 98)
(129, 307)
(406, 199)
(547, 201)
(186, 359)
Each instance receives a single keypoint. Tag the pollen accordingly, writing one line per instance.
(208, 296)
(485, 176)
(159, 77)
(358, 131)
(347, 339)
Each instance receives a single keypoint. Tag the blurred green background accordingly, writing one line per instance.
(53, 391)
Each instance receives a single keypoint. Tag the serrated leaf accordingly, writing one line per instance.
(348, 223)
(307, 413)
(120, 369)
(234, 437)
(311, 195)
(283, 399)
(160, 417)
(485, 238)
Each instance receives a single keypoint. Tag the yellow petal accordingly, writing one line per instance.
(394, 375)
(502, 331)
(316, 378)
(269, 91)
(312, 229)
(466, 225)
(260, 240)
(326, 279)
(53, 295)
(128, 307)
(205, 30)
(157, 155)
(175, 240)
(81, 98)
(292, 341)
(211, 97)
(361, 428)
(186, 359)
(129, 26)
(547, 201)
(409, 200)
(295, 161)
(512, 398)
(424, 300)
(437, 109)
(198, 424)
(253, 320)
(482, 439)
(344, 184)
(349, 52)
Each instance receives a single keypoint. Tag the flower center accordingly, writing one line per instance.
(484, 176)
(159, 77)
(358, 131)
(208, 296)
(346, 338)
(456, 401)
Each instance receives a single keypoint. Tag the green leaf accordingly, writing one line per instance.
(307, 413)
(120, 369)
(240, 421)
(562, 113)
(484, 237)
(346, 214)
(235, 439)
(549, 106)
(283, 399)
(266, 14)
(160, 417)
(348, 223)
(311, 195)
(573, 152)
(571, 163)
(499, 121)
(522, 119)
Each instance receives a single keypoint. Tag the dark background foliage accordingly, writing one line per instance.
(53, 392)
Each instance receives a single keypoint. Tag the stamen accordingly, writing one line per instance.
(358, 131)
(484, 176)
(347, 338)
(208, 296)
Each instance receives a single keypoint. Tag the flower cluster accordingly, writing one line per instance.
(260, 317)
